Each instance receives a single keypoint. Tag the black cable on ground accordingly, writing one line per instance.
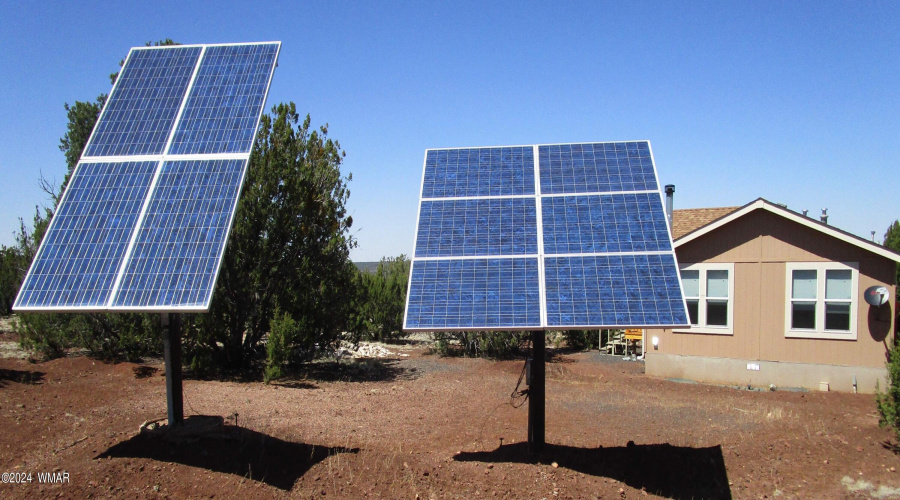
(517, 398)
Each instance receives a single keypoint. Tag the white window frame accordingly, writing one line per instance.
(702, 327)
(820, 332)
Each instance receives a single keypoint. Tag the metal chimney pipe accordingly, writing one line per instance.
(805, 212)
(670, 202)
(824, 217)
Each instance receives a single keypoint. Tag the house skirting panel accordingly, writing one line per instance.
(743, 372)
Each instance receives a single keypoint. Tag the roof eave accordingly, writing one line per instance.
(761, 203)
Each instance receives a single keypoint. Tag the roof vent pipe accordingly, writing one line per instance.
(670, 195)
(824, 217)
(805, 212)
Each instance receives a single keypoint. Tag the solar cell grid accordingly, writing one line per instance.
(634, 222)
(224, 105)
(150, 235)
(179, 244)
(602, 255)
(596, 168)
(478, 172)
(611, 290)
(143, 106)
(83, 249)
(494, 226)
(474, 293)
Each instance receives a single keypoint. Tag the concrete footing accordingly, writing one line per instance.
(743, 372)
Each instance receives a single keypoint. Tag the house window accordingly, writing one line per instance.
(821, 300)
(708, 291)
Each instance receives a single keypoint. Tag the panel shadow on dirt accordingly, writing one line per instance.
(660, 469)
(234, 450)
(20, 377)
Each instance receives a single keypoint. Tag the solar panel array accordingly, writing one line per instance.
(543, 237)
(143, 223)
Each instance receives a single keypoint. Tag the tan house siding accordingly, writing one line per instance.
(759, 244)
(769, 326)
(751, 276)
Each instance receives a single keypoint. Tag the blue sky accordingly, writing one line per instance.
(796, 102)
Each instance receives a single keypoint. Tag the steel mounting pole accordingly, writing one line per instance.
(172, 351)
(536, 395)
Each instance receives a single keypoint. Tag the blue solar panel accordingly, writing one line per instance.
(83, 249)
(596, 168)
(223, 108)
(142, 108)
(613, 290)
(600, 255)
(492, 226)
(634, 222)
(474, 293)
(150, 235)
(478, 172)
(180, 244)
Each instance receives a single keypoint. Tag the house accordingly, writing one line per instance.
(776, 298)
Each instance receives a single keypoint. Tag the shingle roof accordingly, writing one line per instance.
(688, 219)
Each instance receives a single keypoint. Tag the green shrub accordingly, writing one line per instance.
(442, 346)
(888, 403)
(494, 345)
(500, 344)
(121, 337)
(380, 300)
(11, 264)
(48, 335)
(201, 363)
(282, 337)
(110, 337)
(14, 260)
(582, 340)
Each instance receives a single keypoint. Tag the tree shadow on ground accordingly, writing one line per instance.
(20, 376)
(294, 384)
(891, 446)
(660, 469)
(306, 375)
(558, 356)
(234, 450)
(355, 370)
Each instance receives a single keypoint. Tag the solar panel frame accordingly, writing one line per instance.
(160, 160)
(655, 196)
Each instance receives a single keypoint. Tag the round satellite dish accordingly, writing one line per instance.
(877, 295)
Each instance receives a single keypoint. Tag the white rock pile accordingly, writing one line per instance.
(367, 350)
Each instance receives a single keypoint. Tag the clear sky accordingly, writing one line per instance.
(796, 102)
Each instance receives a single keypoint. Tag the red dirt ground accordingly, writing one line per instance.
(430, 427)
